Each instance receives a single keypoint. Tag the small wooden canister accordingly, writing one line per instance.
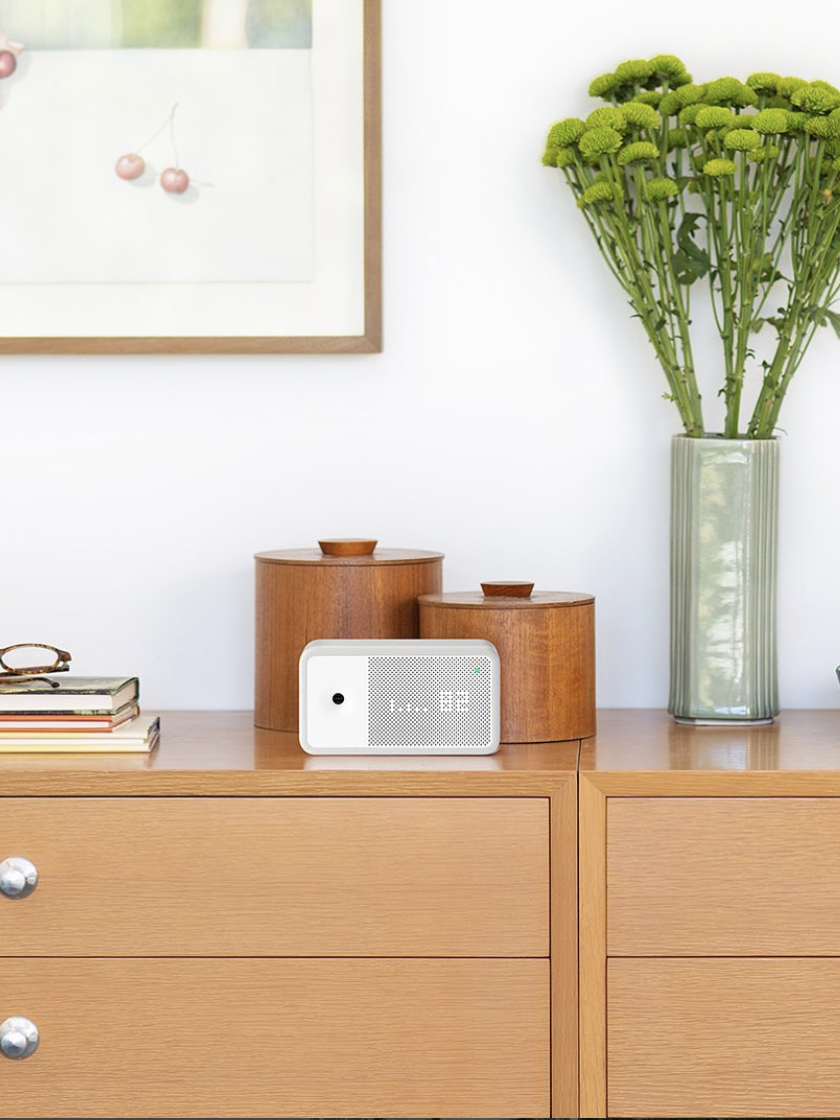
(546, 644)
(343, 589)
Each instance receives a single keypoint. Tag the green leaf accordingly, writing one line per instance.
(834, 319)
(691, 263)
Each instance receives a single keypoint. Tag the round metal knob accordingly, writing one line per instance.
(18, 877)
(19, 1038)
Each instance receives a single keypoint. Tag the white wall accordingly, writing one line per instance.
(514, 420)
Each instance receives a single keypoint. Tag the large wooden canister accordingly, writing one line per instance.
(546, 644)
(342, 589)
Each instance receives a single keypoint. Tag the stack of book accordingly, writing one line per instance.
(83, 714)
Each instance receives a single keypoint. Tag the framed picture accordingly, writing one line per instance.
(190, 176)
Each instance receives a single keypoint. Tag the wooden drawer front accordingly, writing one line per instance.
(723, 876)
(131, 1037)
(291, 876)
(724, 1037)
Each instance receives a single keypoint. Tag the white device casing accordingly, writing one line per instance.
(365, 672)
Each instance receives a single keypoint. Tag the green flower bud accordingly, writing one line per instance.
(797, 121)
(819, 127)
(549, 156)
(715, 116)
(764, 83)
(677, 138)
(667, 66)
(669, 106)
(689, 95)
(826, 85)
(778, 103)
(641, 116)
(597, 193)
(761, 155)
(814, 98)
(647, 97)
(723, 91)
(600, 142)
(742, 140)
(787, 86)
(689, 114)
(636, 70)
(719, 168)
(642, 152)
(565, 132)
(657, 190)
(603, 85)
(607, 117)
(683, 79)
(564, 157)
(771, 122)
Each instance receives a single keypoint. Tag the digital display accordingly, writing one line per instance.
(449, 700)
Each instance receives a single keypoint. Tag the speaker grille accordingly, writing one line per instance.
(430, 701)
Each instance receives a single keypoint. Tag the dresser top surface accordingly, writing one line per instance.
(223, 753)
(649, 741)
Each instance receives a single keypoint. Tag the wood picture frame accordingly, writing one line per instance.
(366, 278)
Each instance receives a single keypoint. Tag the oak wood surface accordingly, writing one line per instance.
(289, 876)
(367, 343)
(723, 876)
(223, 754)
(546, 646)
(726, 1037)
(564, 954)
(303, 595)
(280, 1038)
(592, 952)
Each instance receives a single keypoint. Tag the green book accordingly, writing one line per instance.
(90, 696)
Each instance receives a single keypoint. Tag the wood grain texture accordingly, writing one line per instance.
(546, 646)
(723, 876)
(297, 877)
(724, 1038)
(303, 595)
(280, 1038)
(564, 954)
(592, 952)
(212, 754)
(367, 343)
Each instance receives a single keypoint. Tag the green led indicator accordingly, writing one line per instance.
(477, 669)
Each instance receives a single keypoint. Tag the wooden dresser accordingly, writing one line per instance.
(232, 928)
(710, 918)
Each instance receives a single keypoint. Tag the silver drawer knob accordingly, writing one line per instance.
(18, 877)
(18, 1038)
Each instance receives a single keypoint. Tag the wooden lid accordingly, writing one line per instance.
(348, 552)
(507, 595)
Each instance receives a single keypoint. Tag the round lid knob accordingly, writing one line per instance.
(19, 1038)
(507, 588)
(347, 546)
(18, 877)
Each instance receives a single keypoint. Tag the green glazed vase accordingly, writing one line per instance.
(724, 544)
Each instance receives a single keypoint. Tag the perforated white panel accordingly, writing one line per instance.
(430, 701)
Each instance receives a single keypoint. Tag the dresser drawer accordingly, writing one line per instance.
(724, 1037)
(267, 876)
(723, 876)
(277, 1038)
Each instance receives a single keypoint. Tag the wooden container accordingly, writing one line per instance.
(342, 589)
(546, 643)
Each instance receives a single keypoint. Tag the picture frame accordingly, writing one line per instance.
(91, 255)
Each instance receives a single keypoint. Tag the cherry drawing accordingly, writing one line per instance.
(174, 180)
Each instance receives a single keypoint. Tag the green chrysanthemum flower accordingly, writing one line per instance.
(797, 121)
(742, 140)
(657, 190)
(565, 132)
(607, 117)
(549, 156)
(833, 147)
(603, 85)
(787, 86)
(683, 79)
(770, 122)
(600, 142)
(597, 193)
(634, 70)
(564, 157)
(826, 85)
(764, 83)
(719, 168)
(641, 116)
(641, 152)
(819, 127)
(723, 91)
(815, 99)
(689, 94)
(647, 97)
(761, 155)
(715, 116)
(835, 166)
(669, 106)
(667, 66)
(778, 103)
(689, 114)
(677, 138)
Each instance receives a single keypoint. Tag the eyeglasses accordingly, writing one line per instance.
(16, 674)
